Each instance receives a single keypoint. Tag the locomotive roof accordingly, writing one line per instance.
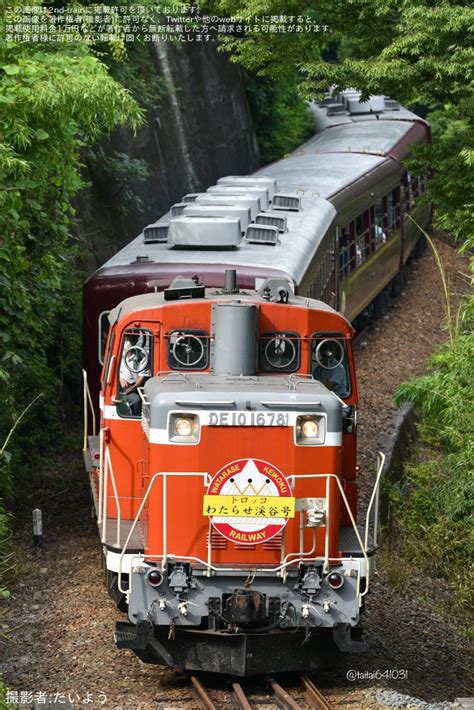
(347, 149)
(154, 300)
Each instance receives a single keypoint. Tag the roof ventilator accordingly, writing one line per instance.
(249, 181)
(272, 220)
(251, 201)
(335, 109)
(329, 99)
(375, 104)
(261, 234)
(286, 202)
(157, 232)
(190, 197)
(242, 191)
(177, 209)
(391, 104)
(242, 212)
(204, 232)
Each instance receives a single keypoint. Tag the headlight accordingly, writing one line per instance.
(310, 430)
(184, 428)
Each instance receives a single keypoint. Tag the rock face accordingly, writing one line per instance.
(201, 130)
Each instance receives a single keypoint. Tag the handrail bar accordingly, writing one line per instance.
(87, 400)
(375, 496)
(326, 558)
(346, 503)
(108, 465)
(140, 510)
(101, 475)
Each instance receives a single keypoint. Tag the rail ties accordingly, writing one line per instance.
(281, 697)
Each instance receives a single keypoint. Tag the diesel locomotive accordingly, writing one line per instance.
(223, 469)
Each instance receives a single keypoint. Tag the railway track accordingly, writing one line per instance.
(241, 698)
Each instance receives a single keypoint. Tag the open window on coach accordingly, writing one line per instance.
(279, 351)
(135, 368)
(329, 362)
(346, 250)
(188, 350)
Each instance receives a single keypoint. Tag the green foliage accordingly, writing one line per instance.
(137, 73)
(433, 502)
(450, 160)
(3, 694)
(281, 119)
(415, 51)
(53, 104)
(118, 175)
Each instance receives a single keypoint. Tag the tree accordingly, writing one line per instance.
(53, 102)
(415, 51)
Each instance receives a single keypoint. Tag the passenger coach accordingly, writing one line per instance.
(332, 217)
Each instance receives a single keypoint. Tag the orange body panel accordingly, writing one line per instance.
(135, 460)
(187, 527)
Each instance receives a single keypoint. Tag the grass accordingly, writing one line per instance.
(431, 505)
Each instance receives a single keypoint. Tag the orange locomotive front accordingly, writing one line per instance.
(225, 487)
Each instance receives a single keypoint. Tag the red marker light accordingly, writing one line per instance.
(335, 580)
(154, 577)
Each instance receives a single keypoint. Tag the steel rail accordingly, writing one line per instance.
(202, 695)
(240, 697)
(315, 698)
(282, 697)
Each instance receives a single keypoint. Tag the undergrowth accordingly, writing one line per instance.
(432, 503)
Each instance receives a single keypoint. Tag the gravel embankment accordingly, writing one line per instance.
(57, 628)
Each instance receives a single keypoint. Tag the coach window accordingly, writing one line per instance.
(347, 249)
(409, 191)
(134, 369)
(279, 351)
(188, 349)
(104, 326)
(364, 242)
(393, 211)
(381, 222)
(329, 362)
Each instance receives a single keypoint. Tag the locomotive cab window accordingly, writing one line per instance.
(104, 326)
(134, 369)
(329, 362)
(279, 352)
(188, 349)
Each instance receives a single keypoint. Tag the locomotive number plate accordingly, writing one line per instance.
(248, 419)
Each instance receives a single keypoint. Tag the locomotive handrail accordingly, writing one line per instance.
(363, 549)
(205, 403)
(288, 404)
(87, 401)
(374, 497)
(286, 561)
(108, 465)
(165, 516)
